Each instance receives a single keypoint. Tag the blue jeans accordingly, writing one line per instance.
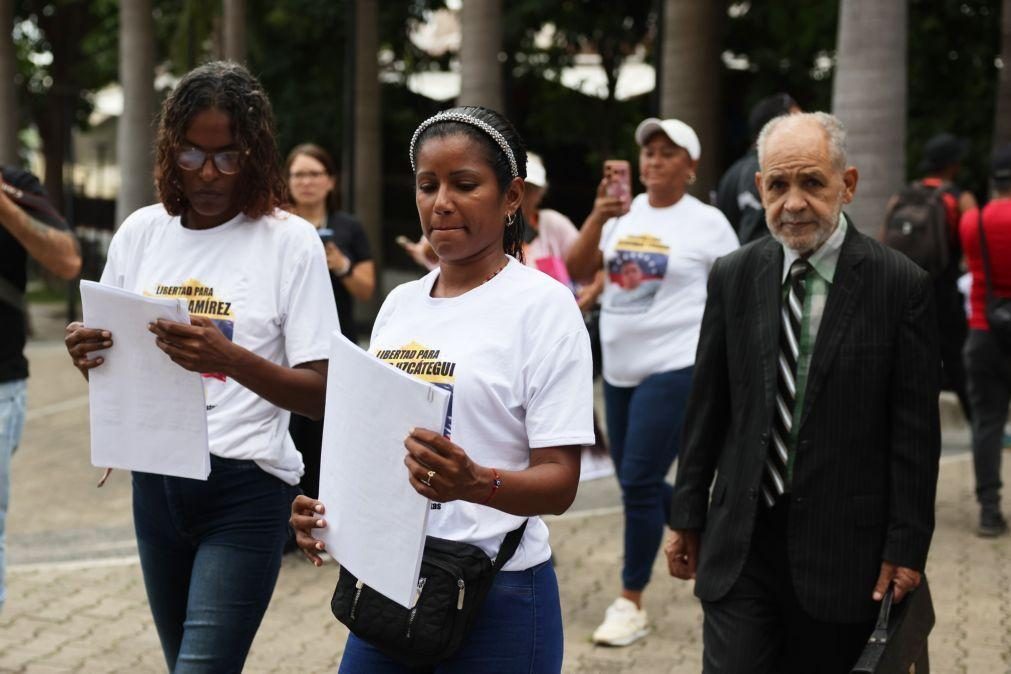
(210, 552)
(12, 422)
(518, 629)
(644, 426)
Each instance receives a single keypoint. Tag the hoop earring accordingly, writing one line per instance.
(510, 219)
(691, 178)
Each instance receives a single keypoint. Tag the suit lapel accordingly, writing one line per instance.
(842, 300)
(768, 288)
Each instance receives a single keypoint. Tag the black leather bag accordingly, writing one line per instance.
(998, 309)
(454, 581)
(899, 641)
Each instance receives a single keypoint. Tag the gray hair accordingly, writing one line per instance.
(834, 130)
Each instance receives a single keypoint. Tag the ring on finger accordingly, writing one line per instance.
(428, 478)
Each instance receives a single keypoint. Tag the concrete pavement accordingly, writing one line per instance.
(76, 599)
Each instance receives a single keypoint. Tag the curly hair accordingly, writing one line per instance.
(512, 237)
(230, 88)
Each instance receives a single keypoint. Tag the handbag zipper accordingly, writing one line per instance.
(354, 602)
(459, 599)
(414, 611)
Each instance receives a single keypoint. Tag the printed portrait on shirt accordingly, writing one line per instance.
(635, 274)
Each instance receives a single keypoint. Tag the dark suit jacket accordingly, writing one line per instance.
(865, 472)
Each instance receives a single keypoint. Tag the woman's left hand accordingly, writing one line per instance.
(442, 471)
(198, 347)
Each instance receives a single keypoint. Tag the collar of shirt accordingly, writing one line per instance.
(823, 260)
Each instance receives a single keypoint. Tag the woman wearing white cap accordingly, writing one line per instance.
(656, 258)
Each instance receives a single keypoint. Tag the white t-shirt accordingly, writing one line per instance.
(516, 357)
(657, 263)
(264, 283)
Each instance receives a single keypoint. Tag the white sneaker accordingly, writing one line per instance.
(623, 624)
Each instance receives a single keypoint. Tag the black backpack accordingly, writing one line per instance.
(916, 224)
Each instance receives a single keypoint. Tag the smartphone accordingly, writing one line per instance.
(618, 174)
(326, 234)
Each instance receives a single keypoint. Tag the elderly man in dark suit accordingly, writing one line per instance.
(813, 417)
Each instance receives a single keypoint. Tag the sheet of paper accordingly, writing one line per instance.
(375, 520)
(147, 413)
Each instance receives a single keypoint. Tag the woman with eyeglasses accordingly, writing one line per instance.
(312, 182)
(210, 550)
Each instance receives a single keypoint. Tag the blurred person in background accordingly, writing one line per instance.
(987, 363)
(312, 182)
(29, 228)
(736, 195)
(649, 332)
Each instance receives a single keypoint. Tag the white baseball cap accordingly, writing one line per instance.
(536, 174)
(679, 133)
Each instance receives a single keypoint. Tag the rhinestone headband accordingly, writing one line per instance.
(491, 131)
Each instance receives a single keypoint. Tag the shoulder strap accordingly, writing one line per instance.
(509, 545)
(987, 273)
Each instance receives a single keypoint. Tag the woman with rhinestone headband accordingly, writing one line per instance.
(261, 312)
(515, 354)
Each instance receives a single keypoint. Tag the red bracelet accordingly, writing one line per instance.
(495, 484)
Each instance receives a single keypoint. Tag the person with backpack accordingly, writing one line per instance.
(987, 360)
(922, 221)
(29, 227)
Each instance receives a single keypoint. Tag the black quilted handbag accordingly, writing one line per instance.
(454, 581)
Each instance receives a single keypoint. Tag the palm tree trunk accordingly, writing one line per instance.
(134, 134)
(8, 95)
(869, 96)
(480, 44)
(367, 177)
(234, 30)
(1002, 123)
(690, 69)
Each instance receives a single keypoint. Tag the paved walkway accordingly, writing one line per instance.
(76, 600)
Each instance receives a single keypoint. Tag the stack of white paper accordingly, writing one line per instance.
(147, 413)
(375, 520)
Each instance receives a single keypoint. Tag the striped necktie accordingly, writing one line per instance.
(791, 313)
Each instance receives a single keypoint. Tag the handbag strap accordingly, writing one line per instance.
(880, 633)
(509, 545)
(987, 273)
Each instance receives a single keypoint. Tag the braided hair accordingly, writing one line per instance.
(512, 238)
(230, 88)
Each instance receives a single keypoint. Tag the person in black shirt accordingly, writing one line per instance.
(736, 193)
(29, 227)
(312, 182)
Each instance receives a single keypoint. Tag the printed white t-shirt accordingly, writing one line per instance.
(264, 283)
(657, 263)
(515, 355)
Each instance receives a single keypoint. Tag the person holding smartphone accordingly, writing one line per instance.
(312, 182)
(656, 252)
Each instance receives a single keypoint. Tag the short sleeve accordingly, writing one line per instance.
(310, 315)
(113, 272)
(559, 409)
(726, 241)
(606, 233)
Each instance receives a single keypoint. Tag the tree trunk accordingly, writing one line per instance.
(690, 69)
(235, 30)
(134, 135)
(9, 121)
(367, 177)
(1002, 123)
(869, 96)
(480, 44)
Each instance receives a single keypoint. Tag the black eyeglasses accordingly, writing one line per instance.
(227, 162)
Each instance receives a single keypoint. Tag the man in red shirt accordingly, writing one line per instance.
(987, 365)
(942, 160)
